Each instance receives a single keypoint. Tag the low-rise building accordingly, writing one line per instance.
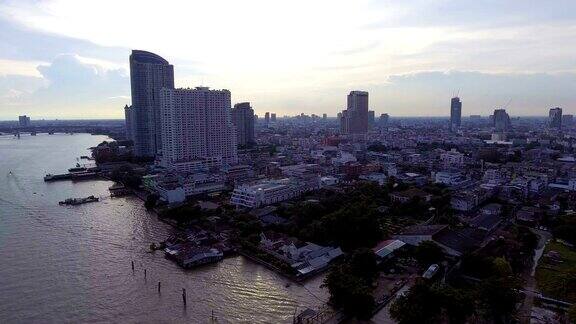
(452, 158)
(451, 179)
(453, 242)
(379, 178)
(386, 249)
(410, 194)
(468, 200)
(305, 258)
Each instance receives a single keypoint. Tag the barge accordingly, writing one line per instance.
(79, 201)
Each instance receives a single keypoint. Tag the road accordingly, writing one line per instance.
(525, 312)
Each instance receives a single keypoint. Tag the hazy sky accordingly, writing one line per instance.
(69, 58)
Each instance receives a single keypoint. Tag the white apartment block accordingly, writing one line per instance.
(196, 125)
(264, 193)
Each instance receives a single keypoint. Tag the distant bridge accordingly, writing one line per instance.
(112, 131)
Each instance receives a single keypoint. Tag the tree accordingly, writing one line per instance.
(350, 227)
(501, 267)
(458, 303)
(351, 284)
(498, 297)
(151, 201)
(419, 305)
(572, 314)
(350, 292)
(247, 228)
(427, 253)
(436, 303)
(364, 264)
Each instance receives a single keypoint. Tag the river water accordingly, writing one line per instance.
(64, 264)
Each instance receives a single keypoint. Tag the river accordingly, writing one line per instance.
(73, 263)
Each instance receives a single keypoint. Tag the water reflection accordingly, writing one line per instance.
(73, 264)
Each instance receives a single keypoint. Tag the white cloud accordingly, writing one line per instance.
(67, 87)
(291, 56)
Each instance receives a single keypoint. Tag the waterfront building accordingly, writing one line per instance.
(24, 121)
(149, 73)
(304, 257)
(455, 113)
(555, 118)
(243, 119)
(129, 121)
(355, 117)
(196, 126)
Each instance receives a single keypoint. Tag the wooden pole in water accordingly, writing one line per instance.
(184, 296)
(144, 273)
(159, 284)
(132, 267)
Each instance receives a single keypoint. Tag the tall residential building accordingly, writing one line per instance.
(354, 119)
(555, 118)
(243, 119)
(273, 117)
(267, 118)
(455, 113)
(371, 119)
(501, 121)
(196, 125)
(149, 73)
(567, 120)
(129, 120)
(324, 117)
(24, 121)
(384, 119)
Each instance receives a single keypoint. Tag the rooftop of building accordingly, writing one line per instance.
(423, 229)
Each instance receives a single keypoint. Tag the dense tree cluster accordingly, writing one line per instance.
(427, 253)
(493, 299)
(247, 228)
(565, 228)
(515, 245)
(351, 284)
(127, 176)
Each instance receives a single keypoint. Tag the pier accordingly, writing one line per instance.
(71, 176)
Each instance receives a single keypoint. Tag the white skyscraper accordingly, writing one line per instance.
(196, 126)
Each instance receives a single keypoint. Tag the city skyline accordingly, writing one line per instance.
(257, 161)
(409, 56)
